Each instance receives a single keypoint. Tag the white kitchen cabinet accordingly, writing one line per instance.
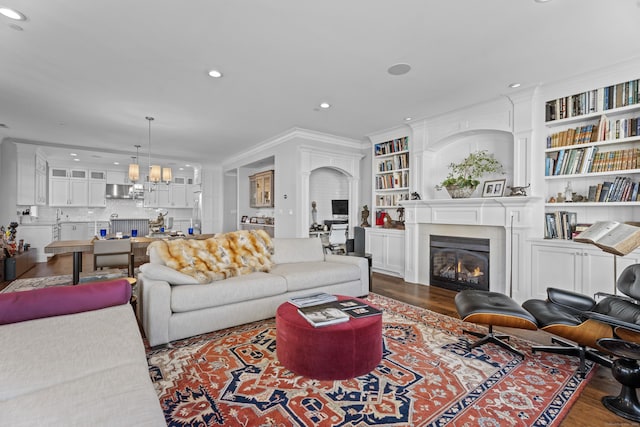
(178, 196)
(73, 231)
(31, 176)
(574, 266)
(97, 188)
(38, 236)
(68, 187)
(40, 180)
(386, 247)
(158, 198)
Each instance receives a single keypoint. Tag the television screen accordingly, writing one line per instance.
(340, 207)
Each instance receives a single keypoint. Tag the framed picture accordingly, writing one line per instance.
(254, 220)
(494, 188)
(245, 218)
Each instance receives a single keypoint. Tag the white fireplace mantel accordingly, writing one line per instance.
(506, 221)
(490, 211)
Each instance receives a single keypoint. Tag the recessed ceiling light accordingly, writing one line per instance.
(325, 105)
(76, 159)
(12, 14)
(406, 119)
(215, 73)
(116, 163)
(399, 69)
(514, 85)
(542, 1)
(73, 154)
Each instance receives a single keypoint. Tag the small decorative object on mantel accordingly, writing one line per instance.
(464, 176)
(365, 217)
(519, 191)
(494, 188)
(415, 196)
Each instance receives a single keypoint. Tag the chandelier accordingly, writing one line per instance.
(156, 172)
(134, 168)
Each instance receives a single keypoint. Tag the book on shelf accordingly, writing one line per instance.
(323, 315)
(614, 237)
(560, 225)
(312, 299)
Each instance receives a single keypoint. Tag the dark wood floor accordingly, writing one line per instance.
(587, 411)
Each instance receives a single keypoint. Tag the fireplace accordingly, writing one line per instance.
(459, 263)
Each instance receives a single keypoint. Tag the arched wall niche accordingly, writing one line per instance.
(326, 184)
(455, 148)
(325, 162)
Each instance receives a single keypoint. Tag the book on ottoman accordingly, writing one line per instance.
(312, 299)
(323, 314)
(362, 311)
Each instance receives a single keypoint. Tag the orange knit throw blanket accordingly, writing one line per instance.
(219, 257)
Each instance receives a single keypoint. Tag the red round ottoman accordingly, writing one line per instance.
(336, 352)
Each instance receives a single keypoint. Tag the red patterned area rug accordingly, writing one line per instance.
(427, 377)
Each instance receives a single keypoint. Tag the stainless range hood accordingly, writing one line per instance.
(123, 191)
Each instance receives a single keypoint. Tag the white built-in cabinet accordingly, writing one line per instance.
(178, 194)
(97, 188)
(68, 186)
(574, 266)
(391, 183)
(386, 247)
(31, 176)
(40, 180)
(74, 230)
(591, 139)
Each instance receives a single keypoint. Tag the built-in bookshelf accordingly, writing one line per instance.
(592, 154)
(391, 174)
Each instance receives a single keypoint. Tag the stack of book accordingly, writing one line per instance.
(312, 299)
(334, 312)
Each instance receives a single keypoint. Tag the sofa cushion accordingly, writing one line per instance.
(168, 274)
(44, 352)
(59, 300)
(233, 290)
(297, 250)
(309, 275)
(83, 368)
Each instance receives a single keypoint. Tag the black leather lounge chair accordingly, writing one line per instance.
(584, 320)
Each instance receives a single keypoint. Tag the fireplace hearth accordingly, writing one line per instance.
(459, 263)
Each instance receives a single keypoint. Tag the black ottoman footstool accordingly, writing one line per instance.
(493, 309)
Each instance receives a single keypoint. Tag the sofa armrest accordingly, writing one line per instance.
(362, 263)
(155, 309)
(60, 300)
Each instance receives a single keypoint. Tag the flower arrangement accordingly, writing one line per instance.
(466, 174)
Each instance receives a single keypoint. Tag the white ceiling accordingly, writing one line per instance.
(86, 73)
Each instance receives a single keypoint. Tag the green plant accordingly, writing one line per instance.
(468, 172)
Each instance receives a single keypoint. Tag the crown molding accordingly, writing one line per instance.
(291, 134)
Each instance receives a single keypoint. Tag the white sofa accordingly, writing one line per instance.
(84, 368)
(172, 306)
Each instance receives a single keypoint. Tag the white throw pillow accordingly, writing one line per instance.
(168, 274)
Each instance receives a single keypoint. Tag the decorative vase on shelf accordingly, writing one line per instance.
(457, 192)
